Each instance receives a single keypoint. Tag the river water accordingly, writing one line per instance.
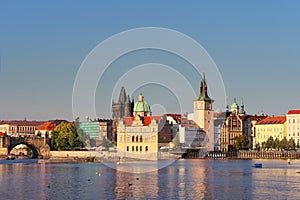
(183, 179)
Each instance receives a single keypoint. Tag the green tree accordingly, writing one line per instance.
(284, 143)
(276, 144)
(291, 144)
(242, 142)
(65, 137)
(82, 135)
(263, 145)
(269, 142)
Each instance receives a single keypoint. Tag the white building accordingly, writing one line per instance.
(293, 125)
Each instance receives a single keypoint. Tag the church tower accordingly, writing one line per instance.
(122, 108)
(203, 112)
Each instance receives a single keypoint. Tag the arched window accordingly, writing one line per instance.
(146, 148)
(132, 138)
(137, 138)
(127, 148)
(141, 138)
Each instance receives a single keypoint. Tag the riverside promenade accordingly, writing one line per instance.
(255, 155)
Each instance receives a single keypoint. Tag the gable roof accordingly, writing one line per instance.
(293, 112)
(22, 122)
(272, 120)
(147, 120)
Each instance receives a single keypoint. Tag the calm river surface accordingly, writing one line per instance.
(184, 179)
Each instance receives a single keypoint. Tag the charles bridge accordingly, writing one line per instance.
(39, 146)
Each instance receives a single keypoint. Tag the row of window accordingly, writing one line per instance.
(137, 138)
(269, 129)
(267, 136)
(136, 148)
(293, 120)
(294, 134)
(22, 128)
(290, 127)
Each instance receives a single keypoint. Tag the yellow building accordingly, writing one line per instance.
(270, 126)
(137, 137)
(293, 125)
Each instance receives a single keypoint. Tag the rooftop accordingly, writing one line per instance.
(22, 122)
(294, 112)
(272, 120)
(147, 120)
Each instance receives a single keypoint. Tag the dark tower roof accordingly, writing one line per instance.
(203, 90)
(123, 96)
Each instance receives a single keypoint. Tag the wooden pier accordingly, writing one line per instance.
(254, 155)
(268, 155)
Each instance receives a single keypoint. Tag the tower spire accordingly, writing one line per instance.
(203, 89)
(122, 97)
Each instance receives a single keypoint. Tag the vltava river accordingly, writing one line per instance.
(184, 179)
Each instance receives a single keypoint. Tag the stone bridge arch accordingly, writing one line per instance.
(35, 151)
(39, 146)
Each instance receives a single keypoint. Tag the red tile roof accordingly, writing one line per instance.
(1, 134)
(293, 112)
(189, 123)
(22, 122)
(46, 126)
(217, 114)
(272, 120)
(257, 117)
(176, 117)
(147, 120)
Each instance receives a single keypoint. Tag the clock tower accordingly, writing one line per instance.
(203, 111)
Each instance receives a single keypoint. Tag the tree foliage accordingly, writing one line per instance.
(279, 144)
(65, 137)
(242, 142)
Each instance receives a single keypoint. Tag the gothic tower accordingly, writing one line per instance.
(203, 112)
(122, 108)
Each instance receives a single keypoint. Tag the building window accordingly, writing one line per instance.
(132, 148)
(141, 138)
(137, 148)
(137, 138)
(132, 138)
(141, 148)
(127, 148)
(146, 148)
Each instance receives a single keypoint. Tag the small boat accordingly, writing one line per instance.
(258, 165)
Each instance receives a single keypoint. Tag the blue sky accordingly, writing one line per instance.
(255, 45)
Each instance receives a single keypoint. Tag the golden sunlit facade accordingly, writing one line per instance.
(271, 126)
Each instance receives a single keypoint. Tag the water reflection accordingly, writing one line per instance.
(184, 179)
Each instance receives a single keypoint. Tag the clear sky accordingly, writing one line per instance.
(255, 44)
